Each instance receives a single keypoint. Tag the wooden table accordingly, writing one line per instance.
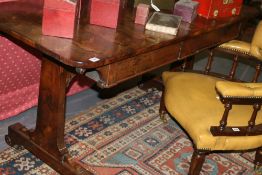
(121, 54)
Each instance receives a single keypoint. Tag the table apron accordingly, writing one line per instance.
(211, 39)
(115, 73)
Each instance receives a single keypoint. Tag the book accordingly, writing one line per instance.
(187, 9)
(142, 11)
(163, 22)
(105, 12)
(59, 18)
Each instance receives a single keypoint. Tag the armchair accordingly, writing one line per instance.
(218, 112)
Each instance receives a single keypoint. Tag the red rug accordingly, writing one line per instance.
(125, 136)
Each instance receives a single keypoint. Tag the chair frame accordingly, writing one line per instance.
(222, 129)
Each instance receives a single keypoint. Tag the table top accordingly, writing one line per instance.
(22, 21)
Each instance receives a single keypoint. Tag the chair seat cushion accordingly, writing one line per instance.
(192, 100)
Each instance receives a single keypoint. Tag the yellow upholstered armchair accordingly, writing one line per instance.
(218, 113)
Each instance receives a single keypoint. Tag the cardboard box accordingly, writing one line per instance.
(219, 8)
(187, 9)
(142, 11)
(59, 18)
(104, 12)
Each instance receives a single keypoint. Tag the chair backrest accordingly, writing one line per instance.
(256, 44)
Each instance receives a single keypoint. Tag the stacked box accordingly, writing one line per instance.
(219, 8)
(104, 12)
(187, 9)
(59, 18)
(142, 12)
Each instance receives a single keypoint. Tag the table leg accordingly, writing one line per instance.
(46, 141)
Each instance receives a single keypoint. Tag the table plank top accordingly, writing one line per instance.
(22, 21)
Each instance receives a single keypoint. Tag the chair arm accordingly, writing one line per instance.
(256, 44)
(237, 46)
(239, 90)
(242, 48)
(239, 93)
(256, 51)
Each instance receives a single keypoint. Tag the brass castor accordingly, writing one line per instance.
(8, 140)
(163, 116)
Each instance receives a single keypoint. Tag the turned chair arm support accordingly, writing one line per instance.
(238, 93)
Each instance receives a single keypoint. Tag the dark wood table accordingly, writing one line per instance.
(121, 54)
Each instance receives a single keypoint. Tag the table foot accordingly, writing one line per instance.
(20, 135)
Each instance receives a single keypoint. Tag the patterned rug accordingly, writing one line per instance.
(124, 136)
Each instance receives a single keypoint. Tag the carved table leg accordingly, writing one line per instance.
(47, 140)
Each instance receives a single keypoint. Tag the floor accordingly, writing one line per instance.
(75, 104)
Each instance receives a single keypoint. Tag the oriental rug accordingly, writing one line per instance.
(124, 136)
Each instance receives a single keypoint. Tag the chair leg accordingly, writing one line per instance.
(258, 158)
(162, 109)
(198, 158)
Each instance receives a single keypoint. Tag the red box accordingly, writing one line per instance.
(142, 11)
(219, 8)
(104, 12)
(59, 18)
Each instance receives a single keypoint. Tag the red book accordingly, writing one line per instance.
(104, 12)
(219, 8)
(59, 18)
(142, 11)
